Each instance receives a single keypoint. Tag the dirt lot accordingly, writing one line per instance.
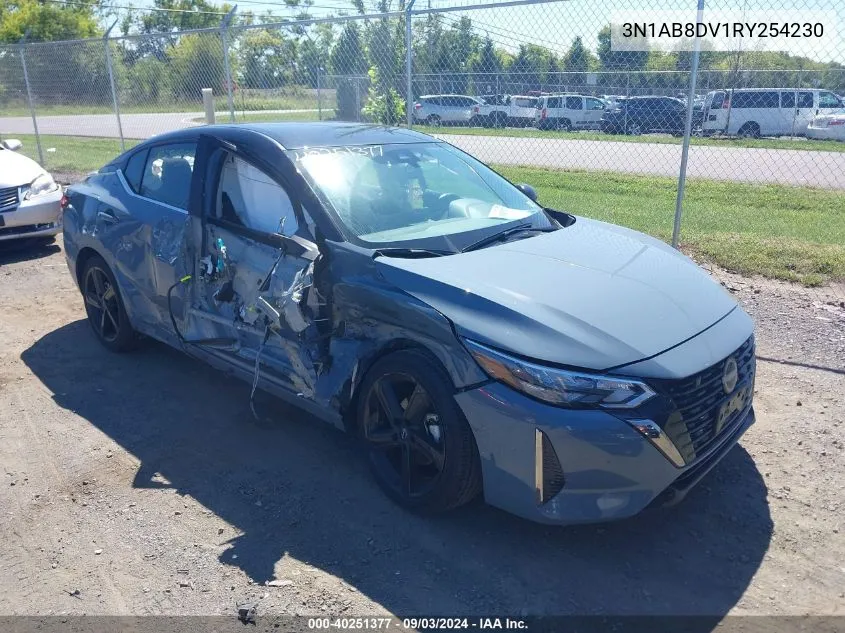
(140, 484)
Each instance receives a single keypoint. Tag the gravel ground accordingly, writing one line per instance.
(139, 484)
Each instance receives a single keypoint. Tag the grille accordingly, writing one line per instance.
(699, 399)
(8, 199)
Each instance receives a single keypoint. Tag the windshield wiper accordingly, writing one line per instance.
(496, 237)
(398, 251)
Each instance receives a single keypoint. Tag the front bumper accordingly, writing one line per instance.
(611, 471)
(39, 217)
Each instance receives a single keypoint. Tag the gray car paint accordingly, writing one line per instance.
(611, 472)
(591, 295)
(588, 296)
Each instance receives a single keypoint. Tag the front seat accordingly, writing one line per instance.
(175, 182)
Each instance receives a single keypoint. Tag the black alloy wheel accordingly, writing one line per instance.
(104, 307)
(421, 450)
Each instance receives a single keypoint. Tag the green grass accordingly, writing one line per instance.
(792, 233)
(763, 143)
(260, 117)
(296, 100)
(76, 154)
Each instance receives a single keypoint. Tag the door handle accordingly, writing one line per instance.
(107, 215)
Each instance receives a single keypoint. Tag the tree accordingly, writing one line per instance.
(610, 59)
(196, 63)
(531, 66)
(347, 59)
(267, 58)
(384, 103)
(485, 66)
(48, 22)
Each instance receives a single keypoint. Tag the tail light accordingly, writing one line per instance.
(417, 106)
(65, 201)
(833, 122)
(726, 103)
(543, 113)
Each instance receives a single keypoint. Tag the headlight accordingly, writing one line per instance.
(41, 185)
(559, 386)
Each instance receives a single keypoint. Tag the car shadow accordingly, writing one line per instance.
(27, 249)
(296, 486)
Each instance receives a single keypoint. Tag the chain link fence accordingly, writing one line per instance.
(733, 154)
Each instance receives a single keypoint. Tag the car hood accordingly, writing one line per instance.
(592, 295)
(17, 170)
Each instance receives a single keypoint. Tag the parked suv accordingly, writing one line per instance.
(766, 112)
(642, 115)
(569, 112)
(439, 109)
(508, 110)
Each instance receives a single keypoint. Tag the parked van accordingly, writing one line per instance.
(766, 111)
(569, 112)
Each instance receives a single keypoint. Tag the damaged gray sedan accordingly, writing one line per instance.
(399, 289)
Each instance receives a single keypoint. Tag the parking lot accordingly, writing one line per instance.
(140, 484)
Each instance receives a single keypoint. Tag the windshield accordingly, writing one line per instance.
(402, 194)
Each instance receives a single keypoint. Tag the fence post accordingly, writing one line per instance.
(682, 175)
(357, 99)
(319, 96)
(29, 98)
(111, 83)
(224, 32)
(409, 91)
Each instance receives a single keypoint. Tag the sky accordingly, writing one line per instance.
(554, 25)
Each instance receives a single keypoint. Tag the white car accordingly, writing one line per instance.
(827, 126)
(440, 109)
(30, 200)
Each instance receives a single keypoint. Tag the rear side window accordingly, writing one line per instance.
(787, 99)
(574, 103)
(167, 175)
(805, 99)
(594, 104)
(554, 102)
(756, 100)
(134, 170)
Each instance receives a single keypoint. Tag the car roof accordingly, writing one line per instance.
(291, 135)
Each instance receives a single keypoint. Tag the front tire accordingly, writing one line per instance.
(421, 450)
(104, 306)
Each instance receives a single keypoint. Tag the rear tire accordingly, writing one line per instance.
(433, 120)
(104, 306)
(749, 130)
(564, 124)
(422, 451)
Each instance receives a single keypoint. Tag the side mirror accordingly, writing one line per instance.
(528, 190)
(12, 144)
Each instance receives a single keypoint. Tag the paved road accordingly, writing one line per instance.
(795, 167)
